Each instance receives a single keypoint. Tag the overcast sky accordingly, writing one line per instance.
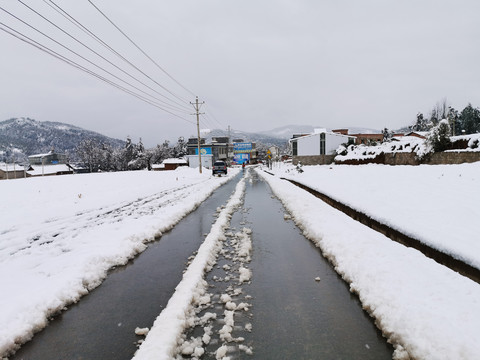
(256, 64)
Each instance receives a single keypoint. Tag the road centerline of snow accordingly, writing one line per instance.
(161, 341)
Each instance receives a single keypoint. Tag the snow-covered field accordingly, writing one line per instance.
(60, 235)
(436, 204)
(425, 309)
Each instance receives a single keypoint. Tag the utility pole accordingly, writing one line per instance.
(196, 106)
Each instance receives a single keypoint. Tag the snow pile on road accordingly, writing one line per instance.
(424, 309)
(166, 334)
(60, 235)
(435, 204)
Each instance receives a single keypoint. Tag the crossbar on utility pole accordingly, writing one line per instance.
(196, 106)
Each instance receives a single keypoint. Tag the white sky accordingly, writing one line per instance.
(257, 64)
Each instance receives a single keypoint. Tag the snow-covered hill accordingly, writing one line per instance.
(286, 132)
(24, 136)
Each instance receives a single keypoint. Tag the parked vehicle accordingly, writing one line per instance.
(219, 167)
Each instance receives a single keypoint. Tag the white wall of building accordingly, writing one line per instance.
(333, 141)
(206, 161)
(310, 144)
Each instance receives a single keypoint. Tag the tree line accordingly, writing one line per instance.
(95, 155)
(462, 122)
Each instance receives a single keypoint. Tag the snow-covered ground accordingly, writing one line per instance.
(426, 310)
(60, 235)
(436, 204)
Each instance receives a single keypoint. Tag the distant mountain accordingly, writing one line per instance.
(286, 132)
(24, 137)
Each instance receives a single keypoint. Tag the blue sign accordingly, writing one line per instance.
(204, 151)
(241, 158)
(242, 147)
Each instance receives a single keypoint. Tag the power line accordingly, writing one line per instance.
(96, 53)
(98, 39)
(138, 47)
(173, 108)
(213, 119)
(53, 53)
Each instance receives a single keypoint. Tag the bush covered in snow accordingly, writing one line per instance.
(375, 154)
(439, 138)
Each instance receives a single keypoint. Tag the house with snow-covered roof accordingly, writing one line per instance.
(170, 164)
(50, 158)
(49, 170)
(12, 171)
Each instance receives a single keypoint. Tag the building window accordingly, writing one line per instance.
(322, 144)
(294, 148)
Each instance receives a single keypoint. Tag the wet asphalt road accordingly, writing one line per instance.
(293, 316)
(296, 317)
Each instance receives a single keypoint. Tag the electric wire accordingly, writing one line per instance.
(213, 119)
(171, 107)
(55, 54)
(205, 121)
(140, 49)
(96, 53)
(74, 21)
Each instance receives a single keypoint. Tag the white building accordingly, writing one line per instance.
(319, 147)
(207, 161)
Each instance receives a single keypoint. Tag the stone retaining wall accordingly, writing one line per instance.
(399, 158)
(313, 160)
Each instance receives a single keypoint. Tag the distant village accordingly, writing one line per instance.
(320, 147)
(220, 148)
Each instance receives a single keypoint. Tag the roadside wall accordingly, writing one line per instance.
(313, 159)
(402, 158)
(454, 157)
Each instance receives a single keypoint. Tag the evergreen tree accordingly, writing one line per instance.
(453, 120)
(470, 119)
(439, 137)
(387, 135)
(180, 148)
(422, 124)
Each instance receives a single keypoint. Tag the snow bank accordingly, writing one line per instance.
(424, 309)
(60, 235)
(436, 204)
(163, 337)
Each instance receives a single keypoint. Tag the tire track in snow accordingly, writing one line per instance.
(55, 232)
